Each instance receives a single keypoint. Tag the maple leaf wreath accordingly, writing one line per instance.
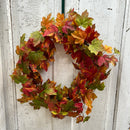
(91, 58)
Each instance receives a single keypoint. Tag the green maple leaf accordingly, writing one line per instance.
(36, 56)
(86, 118)
(24, 66)
(50, 91)
(69, 106)
(101, 86)
(96, 46)
(84, 20)
(19, 78)
(37, 103)
(37, 37)
(97, 85)
(22, 40)
(116, 51)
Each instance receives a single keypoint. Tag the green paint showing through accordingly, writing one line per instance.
(63, 6)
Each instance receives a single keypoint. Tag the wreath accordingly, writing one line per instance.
(90, 57)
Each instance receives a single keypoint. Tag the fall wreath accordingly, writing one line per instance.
(91, 58)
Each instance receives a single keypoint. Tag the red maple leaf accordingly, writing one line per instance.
(91, 33)
(68, 25)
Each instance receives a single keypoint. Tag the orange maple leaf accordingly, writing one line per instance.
(79, 36)
(60, 21)
(47, 22)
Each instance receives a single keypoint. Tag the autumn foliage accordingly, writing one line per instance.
(90, 57)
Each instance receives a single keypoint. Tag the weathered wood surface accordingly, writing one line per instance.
(122, 110)
(111, 109)
(8, 88)
(2, 103)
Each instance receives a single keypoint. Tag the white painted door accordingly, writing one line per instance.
(111, 109)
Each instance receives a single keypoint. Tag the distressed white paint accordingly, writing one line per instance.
(7, 66)
(24, 16)
(2, 103)
(122, 116)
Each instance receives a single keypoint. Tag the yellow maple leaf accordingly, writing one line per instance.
(108, 49)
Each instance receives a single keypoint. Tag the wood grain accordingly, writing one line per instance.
(7, 67)
(2, 100)
(122, 111)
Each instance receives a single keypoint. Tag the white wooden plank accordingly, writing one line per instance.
(2, 101)
(108, 16)
(26, 18)
(63, 74)
(122, 118)
(7, 67)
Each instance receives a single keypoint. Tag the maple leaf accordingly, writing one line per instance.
(60, 21)
(96, 46)
(67, 26)
(24, 67)
(69, 106)
(37, 79)
(37, 38)
(36, 56)
(19, 78)
(79, 119)
(97, 85)
(84, 20)
(79, 106)
(77, 55)
(101, 86)
(50, 91)
(50, 31)
(79, 36)
(37, 103)
(49, 87)
(33, 67)
(29, 89)
(22, 40)
(91, 33)
(103, 60)
(86, 118)
(25, 99)
(70, 40)
(47, 22)
(116, 51)
(53, 31)
(73, 114)
(88, 102)
(108, 49)
(88, 111)
(44, 65)
(72, 14)
(64, 113)
(113, 60)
